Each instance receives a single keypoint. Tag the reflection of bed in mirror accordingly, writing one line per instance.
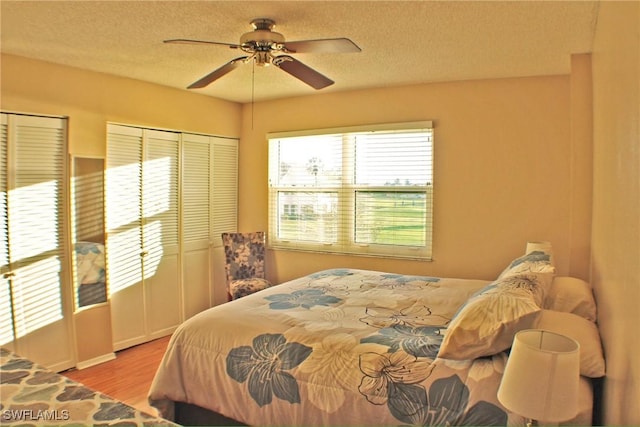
(90, 273)
(88, 231)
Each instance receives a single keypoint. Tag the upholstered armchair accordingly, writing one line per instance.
(244, 263)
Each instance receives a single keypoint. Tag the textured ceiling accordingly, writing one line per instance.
(402, 42)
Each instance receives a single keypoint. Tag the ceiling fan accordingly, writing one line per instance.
(266, 47)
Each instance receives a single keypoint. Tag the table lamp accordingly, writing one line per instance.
(541, 378)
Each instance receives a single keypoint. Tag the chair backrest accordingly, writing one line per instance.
(244, 255)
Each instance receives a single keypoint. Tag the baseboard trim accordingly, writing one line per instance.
(95, 361)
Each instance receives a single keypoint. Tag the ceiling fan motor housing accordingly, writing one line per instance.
(263, 37)
(262, 41)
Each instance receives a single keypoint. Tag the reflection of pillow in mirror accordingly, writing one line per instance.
(571, 295)
(585, 332)
(486, 324)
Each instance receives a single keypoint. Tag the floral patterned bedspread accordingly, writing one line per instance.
(31, 395)
(338, 347)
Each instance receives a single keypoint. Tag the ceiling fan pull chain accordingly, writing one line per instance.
(253, 86)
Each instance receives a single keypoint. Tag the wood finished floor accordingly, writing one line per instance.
(128, 377)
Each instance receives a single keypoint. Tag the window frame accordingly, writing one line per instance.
(346, 193)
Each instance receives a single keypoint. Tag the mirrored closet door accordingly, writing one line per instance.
(89, 260)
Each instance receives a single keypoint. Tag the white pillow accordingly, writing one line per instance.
(592, 362)
(571, 295)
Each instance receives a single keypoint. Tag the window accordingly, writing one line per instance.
(365, 191)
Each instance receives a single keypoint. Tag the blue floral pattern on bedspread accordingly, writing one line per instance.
(305, 298)
(336, 272)
(394, 380)
(399, 278)
(263, 366)
(444, 404)
(423, 341)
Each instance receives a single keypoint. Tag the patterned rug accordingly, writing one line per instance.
(33, 395)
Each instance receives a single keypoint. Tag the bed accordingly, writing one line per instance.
(90, 273)
(33, 395)
(358, 347)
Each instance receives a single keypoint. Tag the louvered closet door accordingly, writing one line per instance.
(124, 235)
(160, 231)
(142, 233)
(6, 322)
(209, 207)
(35, 288)
(224, 211)
(225, 188)
(196, 223)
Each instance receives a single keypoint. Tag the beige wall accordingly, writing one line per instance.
(91, 99)
(506, 170)
(615, 254)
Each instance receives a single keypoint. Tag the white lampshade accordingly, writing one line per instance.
(542, 375)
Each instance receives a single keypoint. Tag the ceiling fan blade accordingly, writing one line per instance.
(302, 72)
(189, 41)
(216, 74)
(341, 45)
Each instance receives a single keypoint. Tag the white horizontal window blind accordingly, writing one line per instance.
(356, 190)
